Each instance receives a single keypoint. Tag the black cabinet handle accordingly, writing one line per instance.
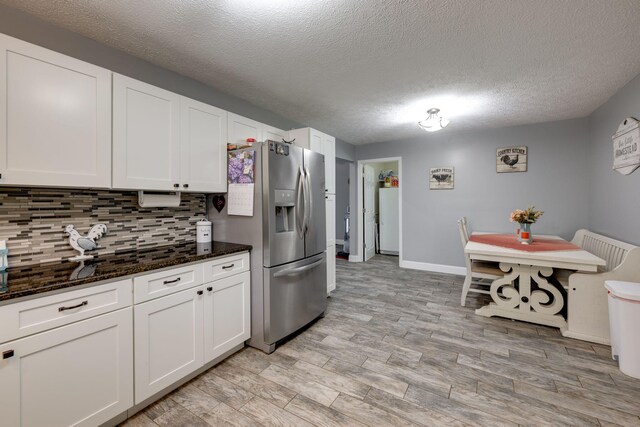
(7, 354)
(73, 306)
(209, 288)
(226, 267)
(200, 292)
(176, 185)
(185, 185)
(168, 282)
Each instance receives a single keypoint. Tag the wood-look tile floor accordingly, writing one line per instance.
(396, 349)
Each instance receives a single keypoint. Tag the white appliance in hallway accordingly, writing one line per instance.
(370, 188)
(389, 221)
(287, 233)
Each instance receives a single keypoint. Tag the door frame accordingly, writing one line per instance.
(360, 205)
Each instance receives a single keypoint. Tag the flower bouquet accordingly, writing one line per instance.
(525, 218)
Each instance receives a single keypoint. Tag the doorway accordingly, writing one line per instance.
(379, 207)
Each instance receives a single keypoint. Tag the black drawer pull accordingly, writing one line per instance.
(7, 354)
(209, 288)
(74, 306)
(200, 292)
(168, 282)
(225, 267)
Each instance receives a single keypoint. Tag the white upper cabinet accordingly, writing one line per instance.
(166, 142)
(274, 134)
(315, 141)
(55, 118)
(323, 144)
(329, 151)
(241, 128)
(146, 136)
(204, 147)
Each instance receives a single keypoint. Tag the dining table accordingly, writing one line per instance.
(527, 291)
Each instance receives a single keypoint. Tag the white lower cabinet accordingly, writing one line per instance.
(80, 374)
(227, 317)
(178, 333)
(60, 367)
(168, 340)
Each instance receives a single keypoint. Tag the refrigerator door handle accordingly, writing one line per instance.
(296, 270)
(300, 197)
(308, 208)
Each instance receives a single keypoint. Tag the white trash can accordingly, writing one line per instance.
(624, 319)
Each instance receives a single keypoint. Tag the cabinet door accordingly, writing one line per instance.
(240, 128)
(273, 134)
(55, 118)
(146, 136)
(80, 374)
(315, 141)
(331, 219)
(329, 151)
(168, 340)
(203, 146)
(227, 318)
(331, 268)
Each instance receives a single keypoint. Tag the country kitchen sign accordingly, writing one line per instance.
(512, 159)
(441, 178)
(626, 150)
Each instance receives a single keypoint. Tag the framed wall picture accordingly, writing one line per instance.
(626, 146)
(441, 178)
(511, 159)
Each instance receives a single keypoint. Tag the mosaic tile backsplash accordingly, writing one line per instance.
(33, 220)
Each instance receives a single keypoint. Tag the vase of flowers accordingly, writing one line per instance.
(525, 218)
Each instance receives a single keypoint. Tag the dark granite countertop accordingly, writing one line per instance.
(30, 280)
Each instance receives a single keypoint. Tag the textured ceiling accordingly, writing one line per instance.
(366, 70)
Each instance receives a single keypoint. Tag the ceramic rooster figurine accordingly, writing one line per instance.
(84, 243)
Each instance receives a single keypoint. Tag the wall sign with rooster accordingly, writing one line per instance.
(511, 159)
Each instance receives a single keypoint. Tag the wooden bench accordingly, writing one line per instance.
(587, 305)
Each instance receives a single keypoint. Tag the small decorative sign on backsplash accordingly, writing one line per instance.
(441, 178)
(626, 146)
(511, 159)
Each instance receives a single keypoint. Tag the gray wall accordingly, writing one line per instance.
(28, 28)
(342, 194)
(345, 151)
(615, 198)
(556, 182)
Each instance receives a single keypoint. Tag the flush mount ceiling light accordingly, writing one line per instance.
(433, 122)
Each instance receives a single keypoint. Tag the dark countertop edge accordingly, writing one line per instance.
(127, 272)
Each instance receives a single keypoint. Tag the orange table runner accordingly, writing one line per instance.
(510, 241)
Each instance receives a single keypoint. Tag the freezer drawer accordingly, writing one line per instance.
(294, 295)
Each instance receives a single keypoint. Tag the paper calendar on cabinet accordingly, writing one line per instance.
(240, 199)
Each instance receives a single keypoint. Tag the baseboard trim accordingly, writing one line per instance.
(585, 337)
(340, 242)
(436, 268)
(355, 258)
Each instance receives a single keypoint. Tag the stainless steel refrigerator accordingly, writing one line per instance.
(288, 235)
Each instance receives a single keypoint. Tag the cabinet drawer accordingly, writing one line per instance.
(226, 266)
(40, 314)
(166, 282)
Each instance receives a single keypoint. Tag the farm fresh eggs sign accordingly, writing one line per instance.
(441, 178)
(512, 159)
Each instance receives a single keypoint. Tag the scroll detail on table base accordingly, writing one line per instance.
(541, 305)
